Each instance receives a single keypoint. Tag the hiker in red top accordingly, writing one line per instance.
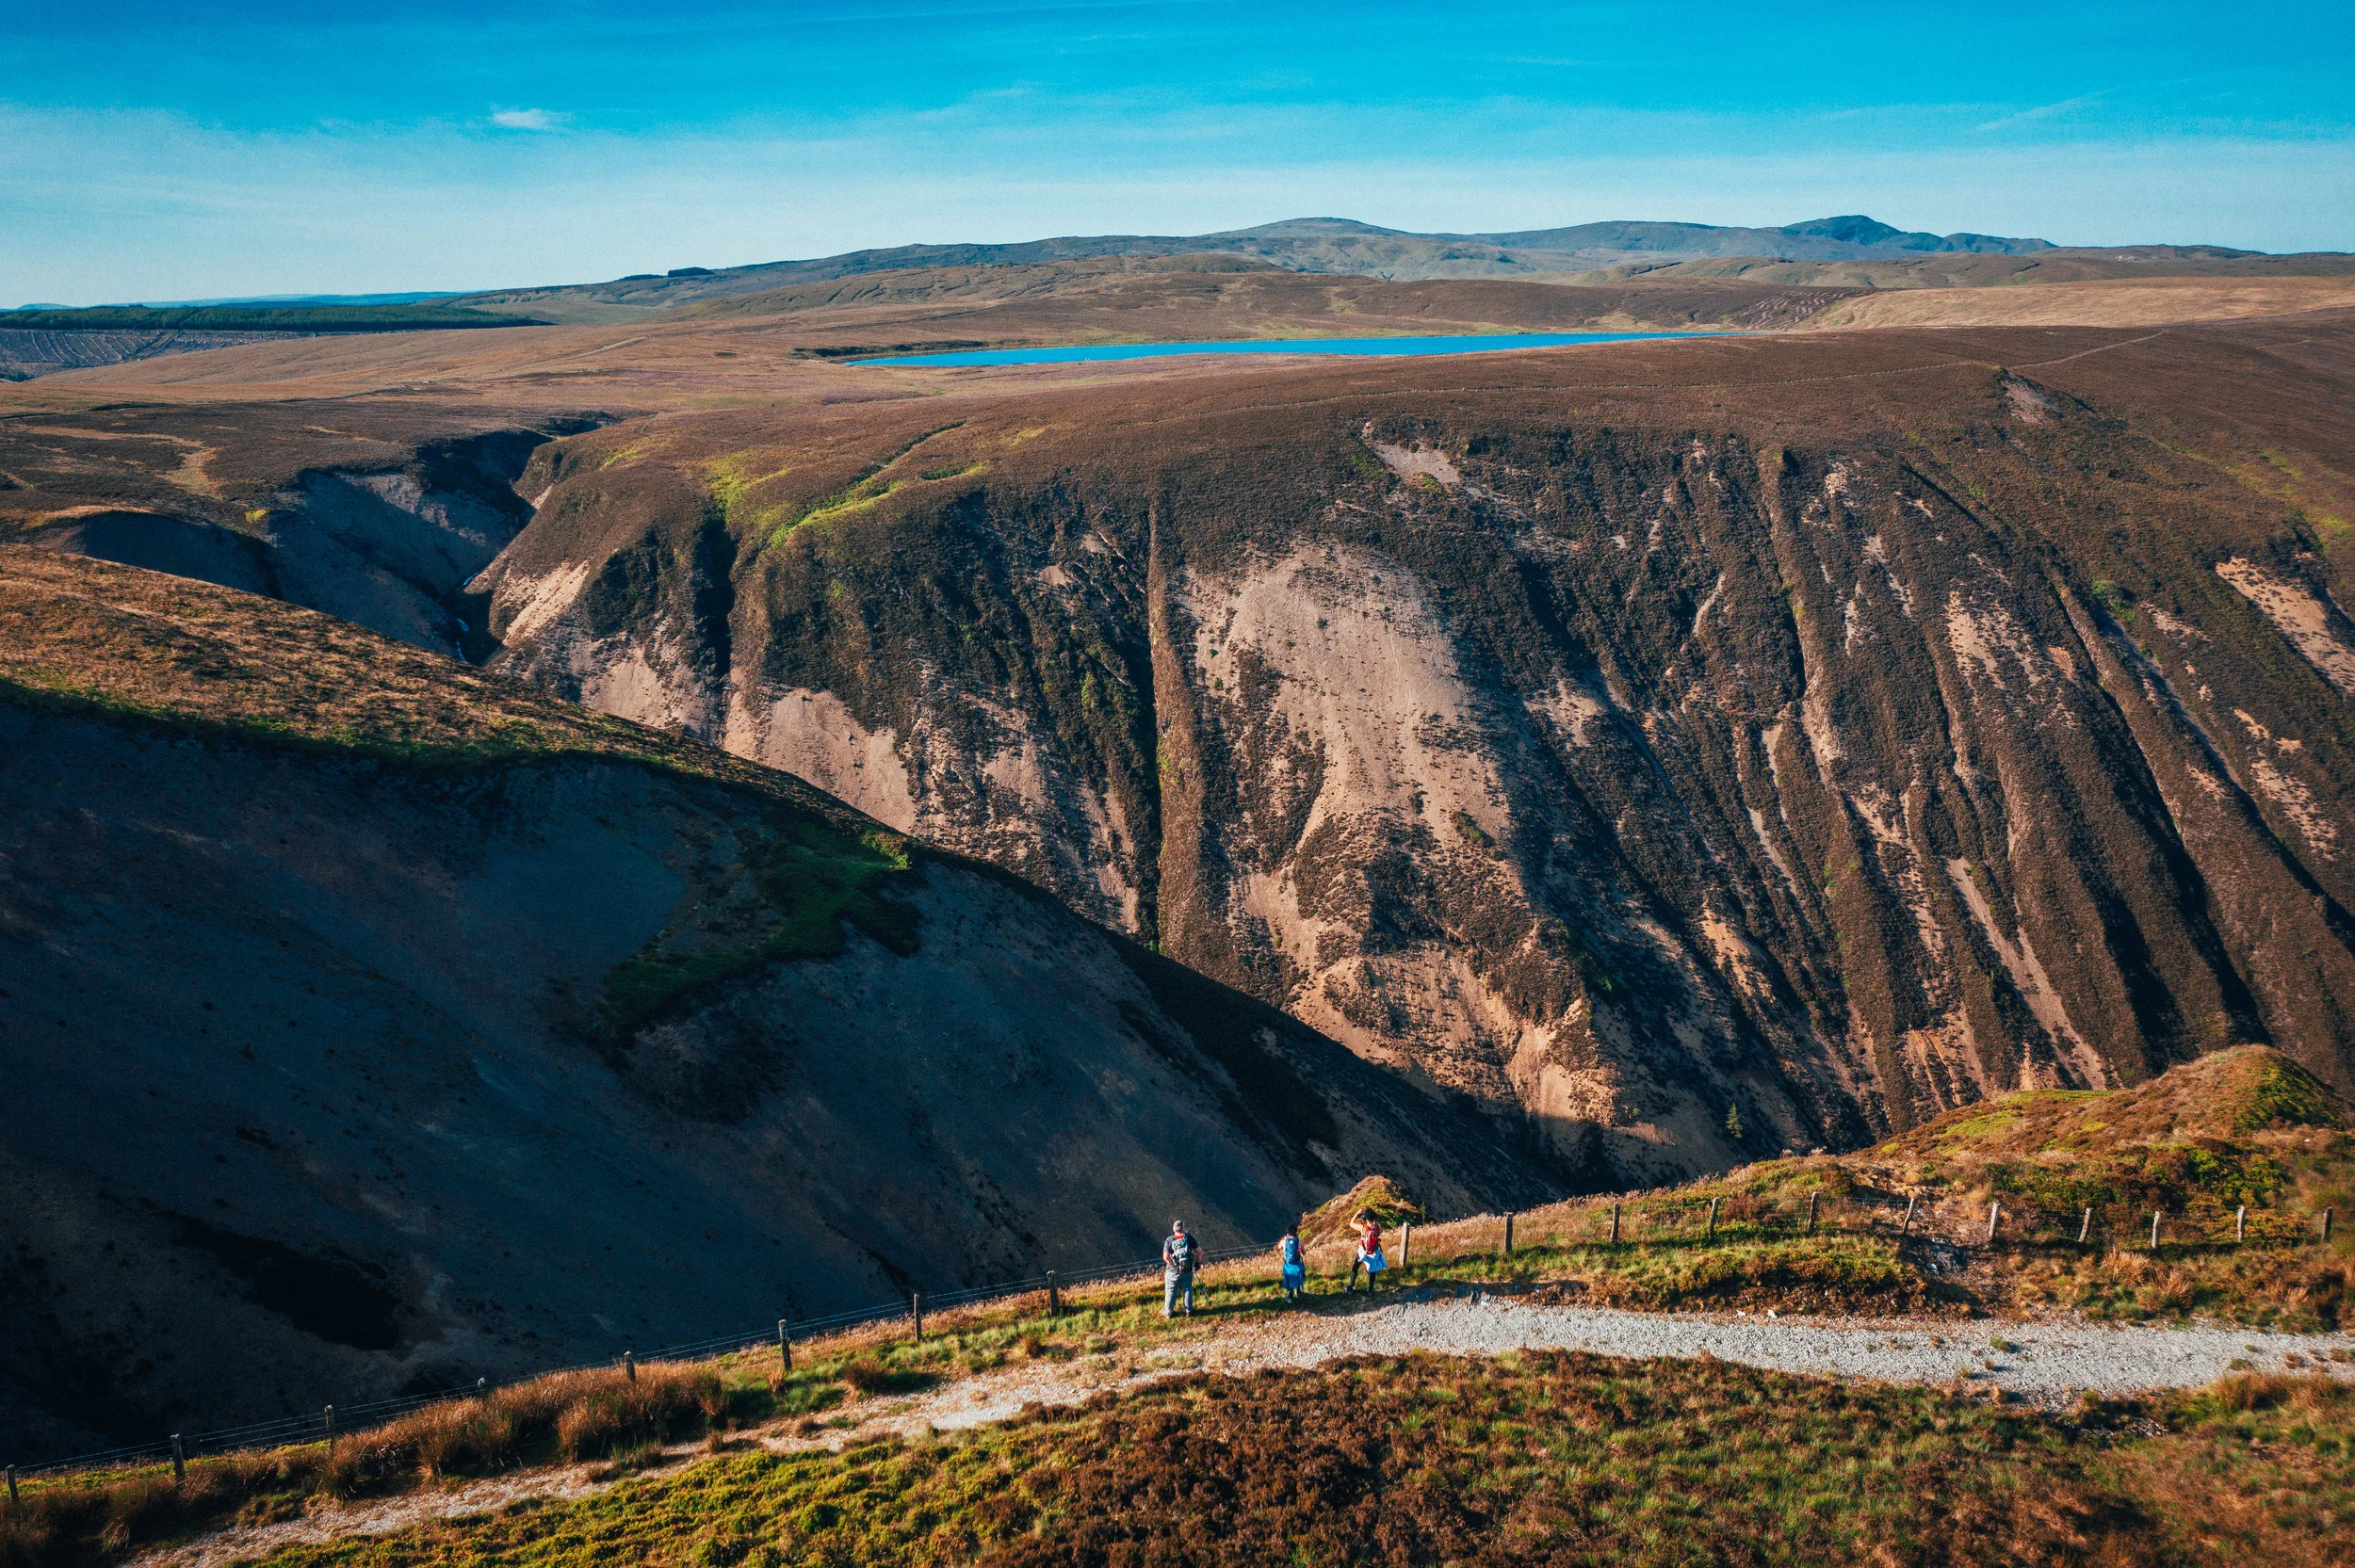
(1368, 1256)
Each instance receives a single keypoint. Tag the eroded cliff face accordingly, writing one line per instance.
(1638, 767)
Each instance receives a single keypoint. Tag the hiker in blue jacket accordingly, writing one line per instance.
(1180, 1255)
(1295, 1264)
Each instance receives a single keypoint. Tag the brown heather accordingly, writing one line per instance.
(570, 1417)
(1546, 1459)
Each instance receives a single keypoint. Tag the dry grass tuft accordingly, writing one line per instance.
(1335, 1220)
(570, 1416)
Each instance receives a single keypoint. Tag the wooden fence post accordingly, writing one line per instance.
(916, 1313)
(1406, 1242)
(1713, 1218)
(2326, 1225)
(629, 1365)
(1509, 1235)
(1054, 1296)
(2085, 1226)
(1614, 1225)
(1906, 1229)
(1995, 1212)
(327, 1420)
(180, 1459)
(2154, 1230)
(785, 1343)
(2240, 1223)
(1811, 1213)
(12, 1486)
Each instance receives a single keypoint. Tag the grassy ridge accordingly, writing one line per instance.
(1541, 1457)
(1104, 1333)
(1678, 1439)
(2245, 1129)
(90, 636)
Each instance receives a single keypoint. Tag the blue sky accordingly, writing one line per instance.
(152, 151)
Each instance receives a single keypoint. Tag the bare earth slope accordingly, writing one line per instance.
(1806, 735)
(371, 1024)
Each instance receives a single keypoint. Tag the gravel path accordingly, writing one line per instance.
(2042, 1364)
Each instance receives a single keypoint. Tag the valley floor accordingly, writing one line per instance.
(2041, 1363)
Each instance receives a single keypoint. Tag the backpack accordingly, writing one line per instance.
(1291, 1252)
(1178, 1251)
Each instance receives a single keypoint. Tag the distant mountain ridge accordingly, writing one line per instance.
(1337, 245)
(1851, 237)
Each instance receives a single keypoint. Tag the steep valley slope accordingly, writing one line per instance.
(371, 1022)
(1679, 752)
(379, 518)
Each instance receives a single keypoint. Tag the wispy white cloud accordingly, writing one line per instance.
(528, 120)
(2043, 111)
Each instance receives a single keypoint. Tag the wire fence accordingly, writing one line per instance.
(332, 1421)
(1628, 1221)
(2005, 1221)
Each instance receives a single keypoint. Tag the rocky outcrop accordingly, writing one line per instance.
(1677, 772)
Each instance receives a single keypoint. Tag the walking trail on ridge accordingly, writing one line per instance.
(2044, 1364)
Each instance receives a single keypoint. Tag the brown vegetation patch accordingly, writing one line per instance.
(1543, 1458)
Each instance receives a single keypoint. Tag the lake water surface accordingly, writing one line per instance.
(1486, 343)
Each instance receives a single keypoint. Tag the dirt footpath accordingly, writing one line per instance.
(2044, 1364)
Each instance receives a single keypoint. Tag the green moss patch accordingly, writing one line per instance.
(2280, 1094)
(807, 881)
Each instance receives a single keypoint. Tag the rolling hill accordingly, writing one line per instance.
(1833, 252)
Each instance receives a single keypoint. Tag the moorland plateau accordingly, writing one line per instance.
(1522, 774)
